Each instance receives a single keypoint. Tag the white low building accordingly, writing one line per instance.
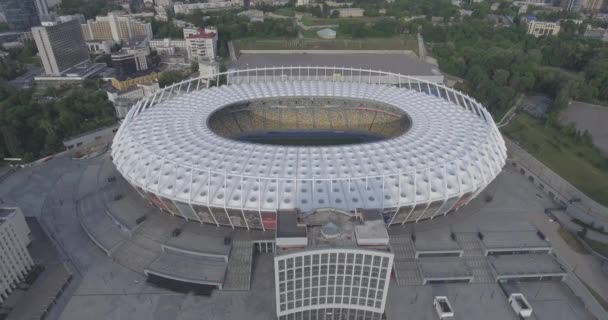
(543, 28)
(123, 100)
(187, 8)
(323, 273)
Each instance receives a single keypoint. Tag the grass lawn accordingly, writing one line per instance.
(309, 21)
(582, 165)
(394, 43)
(288, 12)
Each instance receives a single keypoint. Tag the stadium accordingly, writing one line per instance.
(235, 150)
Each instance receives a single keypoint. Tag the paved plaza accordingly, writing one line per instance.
(112, 286)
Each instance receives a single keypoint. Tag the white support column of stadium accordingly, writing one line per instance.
(415, 200)
(143, 105)
(260, 201)
(276, 281)
(461, 100)
(445, 190)
(475, 193)
(175, 191)
(399, 201)
(382, 196)
(162, 93)
(468, 170)
(242, 201)
(190, 196)
(171, 91)
(188, 88)
(224, 197)
(130, 167)
(160, 174)
(454, 98)
(209, 196)
(428, 200)
(459, 178)
(489, 156)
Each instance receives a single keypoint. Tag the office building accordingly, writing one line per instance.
(60, 45)
(131, 60)
(21, 15)
(15, 260)
(116, 27)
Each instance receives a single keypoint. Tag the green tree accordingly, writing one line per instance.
(501, 77)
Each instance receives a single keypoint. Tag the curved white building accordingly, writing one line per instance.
(434, 150)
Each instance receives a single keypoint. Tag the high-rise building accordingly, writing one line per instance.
(20, 15)
(60, 45)
(15, 260)
(338, 271)
(116, 27)
(201, 43)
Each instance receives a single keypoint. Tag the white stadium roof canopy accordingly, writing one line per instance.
(165, 147)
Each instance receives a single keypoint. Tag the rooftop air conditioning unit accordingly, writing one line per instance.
(443, 307)
(520, 304)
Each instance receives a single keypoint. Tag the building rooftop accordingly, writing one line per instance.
(287, 225)
(442, 268)
(188, 267)
(371, 233)
(203, 240)
(138, 74)
(396, 61)
(329, 229)
(526, 265)
(513, 239)
(436, 240)
(203, 33)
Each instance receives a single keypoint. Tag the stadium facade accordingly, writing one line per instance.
(434, 148)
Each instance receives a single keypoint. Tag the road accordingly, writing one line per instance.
(421, 49)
